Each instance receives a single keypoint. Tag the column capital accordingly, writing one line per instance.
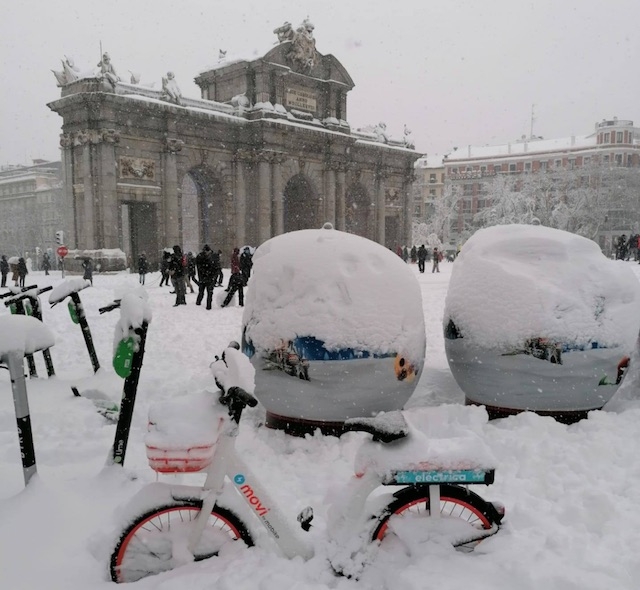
(173, 145)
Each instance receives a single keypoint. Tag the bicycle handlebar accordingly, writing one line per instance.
(239, 395)
(22, 290)
(110, 307)
(26, 294)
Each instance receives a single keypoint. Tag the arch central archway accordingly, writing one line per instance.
(203, 220)
(300, 204)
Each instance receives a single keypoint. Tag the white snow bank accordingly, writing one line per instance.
(23, 334)
(514, 282)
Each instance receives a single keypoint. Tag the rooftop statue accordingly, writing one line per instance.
(68, 74)
(302, 54)
(107, 72)
(170, 90)
(285, 32)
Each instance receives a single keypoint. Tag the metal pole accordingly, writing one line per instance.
(23, 418)
(33, 371)
(46, 353)
(128, 400)
(86, 332)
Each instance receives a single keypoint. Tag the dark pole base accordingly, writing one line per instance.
(301, 427)
(562, 416)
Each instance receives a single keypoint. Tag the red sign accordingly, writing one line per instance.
(62, 251)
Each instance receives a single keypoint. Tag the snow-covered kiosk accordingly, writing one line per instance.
(334, 328)
(539, 319)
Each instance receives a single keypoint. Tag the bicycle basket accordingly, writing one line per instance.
(182, 434)
(180, 460)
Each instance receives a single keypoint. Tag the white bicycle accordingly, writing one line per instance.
(179, 524)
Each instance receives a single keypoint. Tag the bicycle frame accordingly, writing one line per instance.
(227, 463)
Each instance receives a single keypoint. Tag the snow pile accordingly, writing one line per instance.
(514, 282)
(23, 334)
(344, 290)
(189, 421)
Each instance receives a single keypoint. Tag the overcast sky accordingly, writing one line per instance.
(457, 72)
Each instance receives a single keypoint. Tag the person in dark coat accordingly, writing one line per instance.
(246, 264)
(46, 263)
(4, 270)
(414, 254)
(143, 267)
(87, 265)
(220, 274)
(205, 264)
(22, 271)
(177, 270)
(236, 283)
(164, 268)
(235, 264)
(422, 257)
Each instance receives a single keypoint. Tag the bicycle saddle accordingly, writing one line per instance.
(386, 427)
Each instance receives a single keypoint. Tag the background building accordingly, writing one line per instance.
(601, 167)
(31, 207)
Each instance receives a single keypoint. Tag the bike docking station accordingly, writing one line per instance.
(26, 302)
(20, 336)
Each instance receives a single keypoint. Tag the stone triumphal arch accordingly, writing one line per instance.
(266, 149)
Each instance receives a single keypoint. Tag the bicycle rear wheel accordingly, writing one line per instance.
(146, 546)
(455, 503)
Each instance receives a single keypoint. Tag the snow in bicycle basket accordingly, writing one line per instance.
(182, 434)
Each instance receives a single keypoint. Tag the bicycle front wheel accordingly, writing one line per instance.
(146, 546)
(473, 515)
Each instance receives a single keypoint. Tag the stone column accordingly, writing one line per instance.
(68, 204)
(278, 196)
(107, 201)
(407, 184)
(240, 199)
(86, 228)
(264, 196)
(170, 191)
(341, 190)
(380, 205)
(330, 193)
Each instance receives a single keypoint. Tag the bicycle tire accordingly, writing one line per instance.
(455, 501)
(130, 563)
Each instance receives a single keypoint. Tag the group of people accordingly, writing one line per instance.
(205, 270)
(626, 248)
(421, 255)
(18, 270)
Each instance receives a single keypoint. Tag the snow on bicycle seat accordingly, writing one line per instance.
(23, 334)
(386, 427)
(428, 456)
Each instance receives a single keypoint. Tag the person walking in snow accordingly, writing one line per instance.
(422, 257)
(436, 261)
(143, 267)
(236, 283)
(87, 265)
(206, 275)
(246, 264)
(177, 270)
(22, 271)
(4, 270)
(46, 263)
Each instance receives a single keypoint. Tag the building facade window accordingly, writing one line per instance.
(619, 137)
(432, 177)
(512, 167)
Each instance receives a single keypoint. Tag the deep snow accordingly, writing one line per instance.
(572, 505)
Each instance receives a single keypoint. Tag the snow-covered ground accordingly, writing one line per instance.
(573, 516)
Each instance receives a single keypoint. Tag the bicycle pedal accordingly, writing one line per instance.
(305, 517)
